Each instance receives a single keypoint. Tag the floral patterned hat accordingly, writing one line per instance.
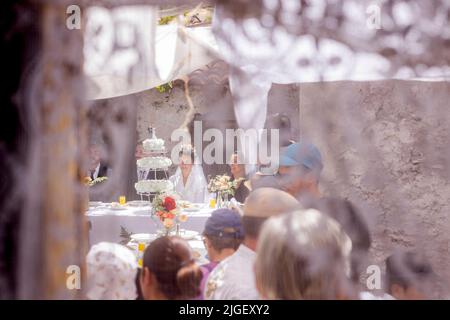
(111, 270)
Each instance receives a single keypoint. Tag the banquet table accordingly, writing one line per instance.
(106, 223)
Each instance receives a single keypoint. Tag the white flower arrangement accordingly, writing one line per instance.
(153, 186)
(154, 163)
(89, 182)
(154, 144)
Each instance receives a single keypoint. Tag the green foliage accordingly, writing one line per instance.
(157, 204)
(165, 87)
(166, 20)
(188, 16)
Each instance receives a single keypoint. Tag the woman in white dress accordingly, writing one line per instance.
(189, 180)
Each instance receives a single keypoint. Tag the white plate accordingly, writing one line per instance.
(117, 207)
(143, 237)
(183, 203)
(192, 209)
(197, 244)
(138, 203)
(95, 203)
(188, 234)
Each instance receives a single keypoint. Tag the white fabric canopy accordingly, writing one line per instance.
(126, 52)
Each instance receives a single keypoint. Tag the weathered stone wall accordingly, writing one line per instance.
(386, 147)
(166, 111)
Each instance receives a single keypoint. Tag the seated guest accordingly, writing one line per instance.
(189, 181)
(303, 255)
(238, 172)
(298, 173)
(267, 177)
(111, 271)
(355, 226)
(282, 123)
(169, 271)
(409, 276)
(233, 278)
(222, 236)
(299, 170)
(262, 180)
(97, 168)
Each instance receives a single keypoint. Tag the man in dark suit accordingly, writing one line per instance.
(267, 177)
(238, 172)
(97, 169)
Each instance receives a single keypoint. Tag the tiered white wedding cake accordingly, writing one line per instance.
(155, 162)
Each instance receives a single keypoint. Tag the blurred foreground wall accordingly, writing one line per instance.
(386, 147)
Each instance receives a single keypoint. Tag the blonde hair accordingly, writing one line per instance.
(302, 255)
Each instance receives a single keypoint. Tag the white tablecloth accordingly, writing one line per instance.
(105, 223)
(200, 253)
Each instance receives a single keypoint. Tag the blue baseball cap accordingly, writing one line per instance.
(225, 223)
(302, 153)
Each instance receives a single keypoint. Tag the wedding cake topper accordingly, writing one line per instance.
(153, 144)
(151, 131)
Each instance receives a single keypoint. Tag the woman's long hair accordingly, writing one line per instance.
(171, 262)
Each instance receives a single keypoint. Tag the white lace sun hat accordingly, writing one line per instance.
(111, 270)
